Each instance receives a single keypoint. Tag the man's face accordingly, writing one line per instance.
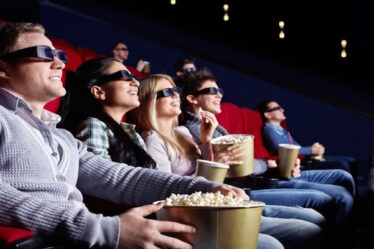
(33, 79)
(275, 113)
(121, 52)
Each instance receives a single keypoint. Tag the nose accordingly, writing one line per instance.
(57, 63)
(135, 82)
(175, 95)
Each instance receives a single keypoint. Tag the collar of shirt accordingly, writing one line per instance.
(127, 126)
(279, 129)
(192, 118)
(12, 102)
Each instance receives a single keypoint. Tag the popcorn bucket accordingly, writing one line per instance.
(217, 227)
(212, 171)
(246, 141)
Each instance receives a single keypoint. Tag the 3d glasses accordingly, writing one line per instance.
(40, 51)
(167, 92)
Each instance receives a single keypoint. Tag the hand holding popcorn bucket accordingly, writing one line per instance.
(222, 222)
(246, 142)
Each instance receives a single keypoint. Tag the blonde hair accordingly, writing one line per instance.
(146, 118)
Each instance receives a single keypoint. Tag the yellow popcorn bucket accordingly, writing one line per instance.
(217, 227)
(246, 141)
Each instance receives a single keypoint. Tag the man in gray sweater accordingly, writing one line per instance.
(44, 170)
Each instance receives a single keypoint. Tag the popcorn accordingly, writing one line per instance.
(232, 139)
(206, 199)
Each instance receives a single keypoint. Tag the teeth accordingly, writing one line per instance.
(133, 92)
(55, 77)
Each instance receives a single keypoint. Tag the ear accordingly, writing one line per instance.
(98, 93)
(267, 115)
(191, 99)
(3, 70)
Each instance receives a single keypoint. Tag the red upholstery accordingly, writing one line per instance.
(253, 125)
(231, 118)
(86, 53)
(238, 120)
(10, 234)
(74, 59)
(61, 43)
(138, 74)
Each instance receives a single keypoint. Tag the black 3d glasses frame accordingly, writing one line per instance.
(167, 92)
(274, 109)
(119, 75)
(209, 90)
(40, 51)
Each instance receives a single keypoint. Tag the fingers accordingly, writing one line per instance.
(169, 242)
(234, 163)
(147, 209)
(209, 117)
(173, 227)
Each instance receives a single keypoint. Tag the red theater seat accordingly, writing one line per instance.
(61, 43)
(12, 237)
(253, 125)
(86, 53)
(231, 118)
(238, 120)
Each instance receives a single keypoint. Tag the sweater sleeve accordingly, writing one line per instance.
(133, 186)
(66, 222)
(306, 151)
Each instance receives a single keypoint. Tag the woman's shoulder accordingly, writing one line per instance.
(94, 122)
(150, 135)
(183, 129)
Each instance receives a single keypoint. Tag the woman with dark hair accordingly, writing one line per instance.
(102, 93)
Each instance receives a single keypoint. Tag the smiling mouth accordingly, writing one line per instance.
(133, 92)
(55, 78)
(177, 104)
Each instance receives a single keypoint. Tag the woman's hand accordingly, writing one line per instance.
(208, 125)
(229, 155)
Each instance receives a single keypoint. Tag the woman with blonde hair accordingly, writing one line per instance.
(170, 145)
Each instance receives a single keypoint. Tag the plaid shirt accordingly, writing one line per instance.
(98, 137)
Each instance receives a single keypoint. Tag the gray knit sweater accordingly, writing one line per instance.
(40, 189)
